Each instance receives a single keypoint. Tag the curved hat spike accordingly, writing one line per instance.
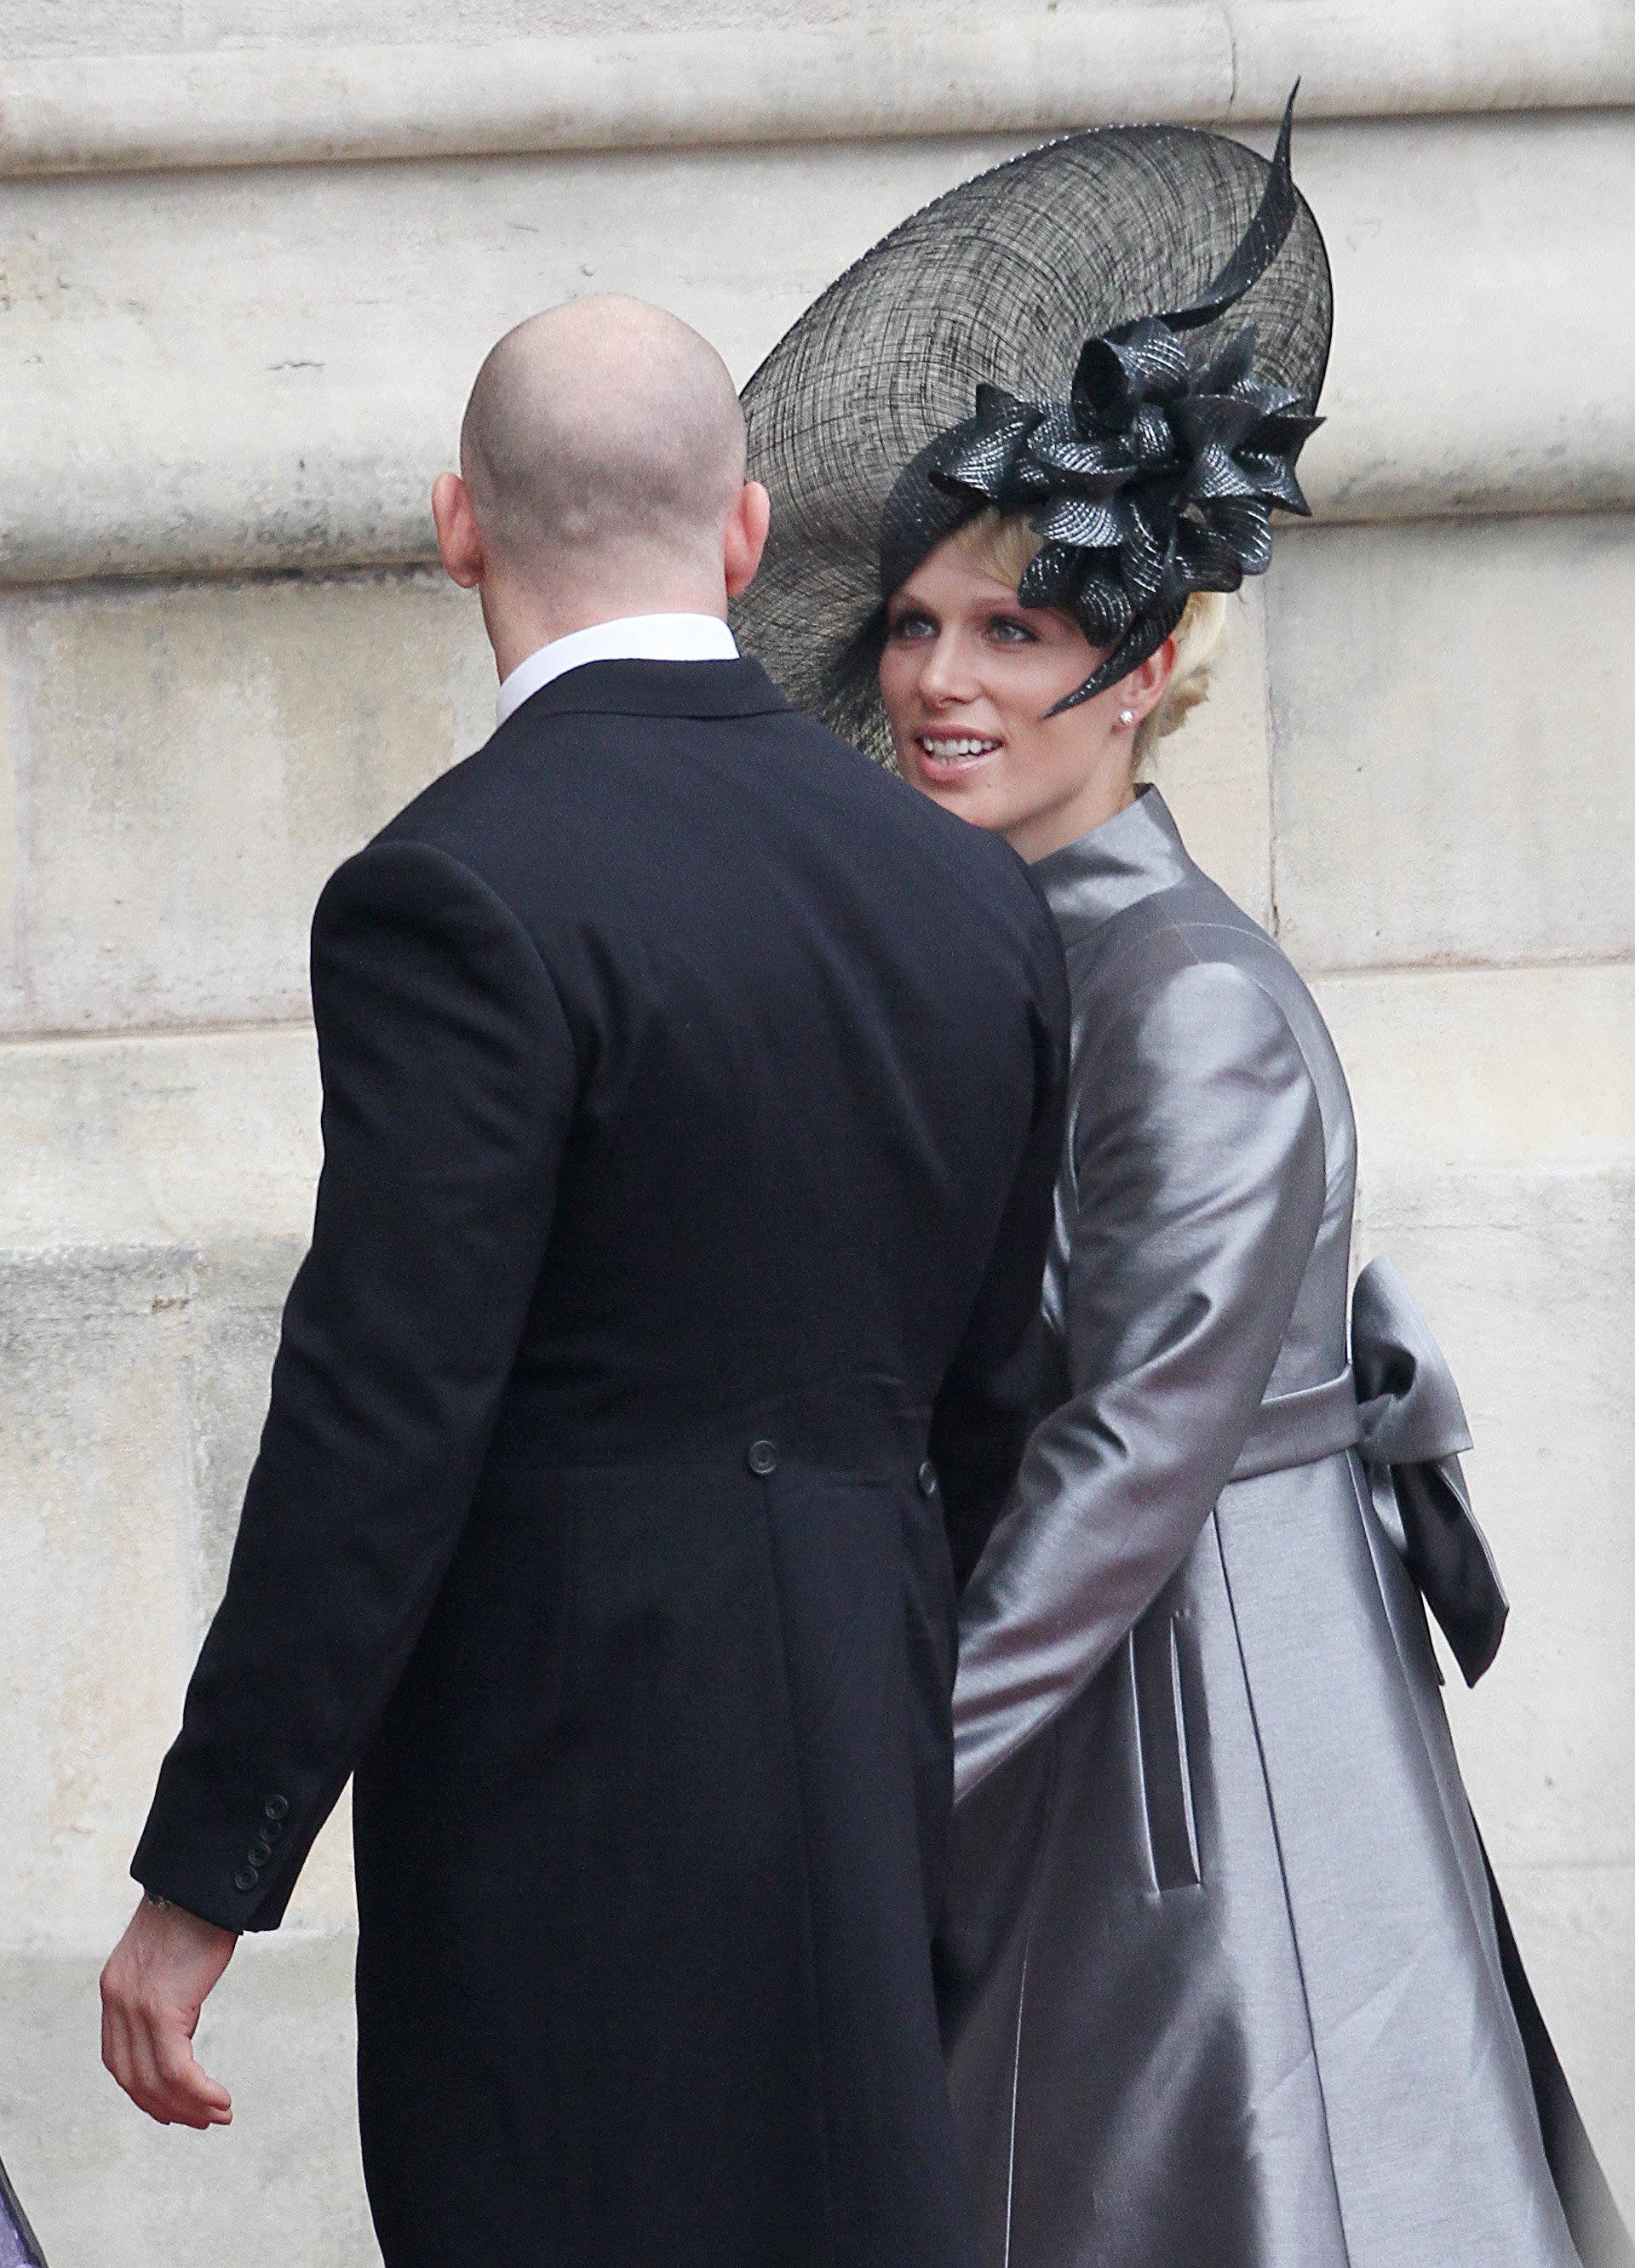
(1260, 244)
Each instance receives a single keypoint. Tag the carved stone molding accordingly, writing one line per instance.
(1209, 59)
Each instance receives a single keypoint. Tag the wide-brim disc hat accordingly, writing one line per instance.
(1087, 287)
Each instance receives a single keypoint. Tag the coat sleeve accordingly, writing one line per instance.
(981, 1416)
(449, 1082)
(1196, 1193)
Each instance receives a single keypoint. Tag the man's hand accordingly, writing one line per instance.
(153, 1987)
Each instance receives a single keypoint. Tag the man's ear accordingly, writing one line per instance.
(746, 537)
(458, 538)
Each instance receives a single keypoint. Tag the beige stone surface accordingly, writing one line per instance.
(1496, 1114)
(162, 1207)
(266, 369)
(1214, 770)
(11, 814)
(133, 1382)
(95, 1571)
(44, 27)
(1458, 1074)
(1525, 1284)
(123, 1500)
(1566, 1919)
(1450, 743)
(691, 82)
(106, 2188)
(296, 406)
(680, 85)
(1401, 34)
(192, 761)
(175, 1143)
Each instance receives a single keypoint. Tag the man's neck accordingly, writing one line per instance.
(669, 638)
(517, 628)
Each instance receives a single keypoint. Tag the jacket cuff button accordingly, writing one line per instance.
(277, 1807)
(762, 1458)
(247, 1878)
(927, 1478)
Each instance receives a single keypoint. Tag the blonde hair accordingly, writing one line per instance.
(1003, 545)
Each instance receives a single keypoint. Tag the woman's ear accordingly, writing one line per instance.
(1143, 688)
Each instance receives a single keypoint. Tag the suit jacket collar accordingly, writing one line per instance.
(653, 689)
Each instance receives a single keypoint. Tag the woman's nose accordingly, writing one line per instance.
(946, 678)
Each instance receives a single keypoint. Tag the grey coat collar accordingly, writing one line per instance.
(1127, 858)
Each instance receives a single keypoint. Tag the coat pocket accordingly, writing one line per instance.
(1166, 1769)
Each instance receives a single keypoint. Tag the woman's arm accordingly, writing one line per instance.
(1199, 1168)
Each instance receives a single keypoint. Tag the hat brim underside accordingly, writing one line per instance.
(1000, 281)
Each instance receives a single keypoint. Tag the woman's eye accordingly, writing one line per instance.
(1009, 631)
(911, 626)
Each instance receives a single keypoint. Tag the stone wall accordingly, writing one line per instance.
(1416, 766)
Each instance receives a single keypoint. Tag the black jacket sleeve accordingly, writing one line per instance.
(981, 1416)
(449, 1085)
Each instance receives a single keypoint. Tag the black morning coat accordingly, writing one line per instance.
(692, 1106)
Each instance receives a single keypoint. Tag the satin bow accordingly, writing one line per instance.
(1413, 1429)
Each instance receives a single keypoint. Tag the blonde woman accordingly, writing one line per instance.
(1225, 1982)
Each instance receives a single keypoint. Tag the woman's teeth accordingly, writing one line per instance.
(956, 751)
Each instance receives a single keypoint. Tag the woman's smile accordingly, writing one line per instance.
(945, 757)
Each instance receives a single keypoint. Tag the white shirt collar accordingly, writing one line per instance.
(632, 637)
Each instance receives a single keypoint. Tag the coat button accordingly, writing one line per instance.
(246, 1879)
(277, 1807)
(762, 1458)
(260, 1851)
(272, 1831)
(927, 1478)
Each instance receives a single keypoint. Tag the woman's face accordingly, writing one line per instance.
(968, 676)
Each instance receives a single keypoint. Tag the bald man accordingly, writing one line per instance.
(691, 1112)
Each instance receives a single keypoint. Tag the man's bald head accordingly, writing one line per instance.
(599, 436)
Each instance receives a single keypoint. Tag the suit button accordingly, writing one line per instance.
(277, 1807)
(246, 1879)
(762, 1458)
(927, 1478)
(260, 1851)
(273, 1829)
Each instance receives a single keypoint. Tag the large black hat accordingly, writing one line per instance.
(1122, 335)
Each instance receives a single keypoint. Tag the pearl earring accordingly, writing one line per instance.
(1126, 716)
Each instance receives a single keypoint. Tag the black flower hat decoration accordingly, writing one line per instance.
(1152, 481)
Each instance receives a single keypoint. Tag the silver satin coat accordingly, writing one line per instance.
(1220, 1975)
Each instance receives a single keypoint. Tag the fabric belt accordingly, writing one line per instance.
(1397, 1406)
(1300, 1429)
